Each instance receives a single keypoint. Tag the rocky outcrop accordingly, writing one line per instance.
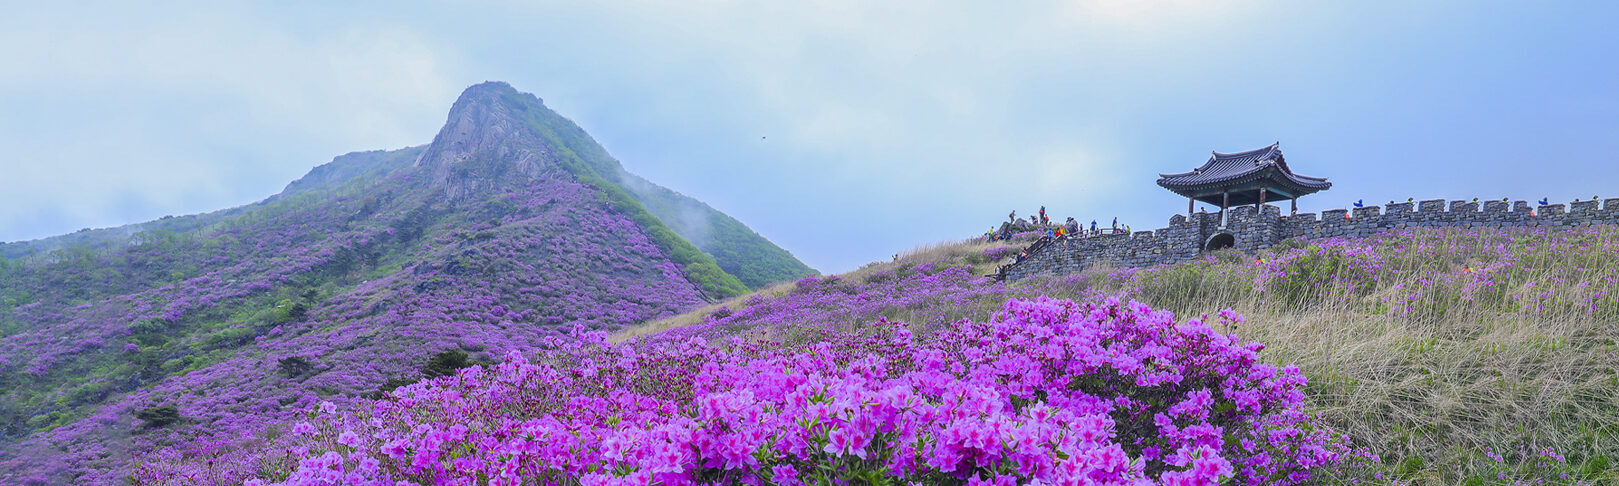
(487, 141)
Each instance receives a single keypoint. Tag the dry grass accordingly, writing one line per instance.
(696, 315)
(968, 252)
(1444, 394)
(1432, 389)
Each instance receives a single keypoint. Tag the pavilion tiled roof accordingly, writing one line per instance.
(1242, 167)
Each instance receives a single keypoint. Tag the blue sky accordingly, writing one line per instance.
(843, 131)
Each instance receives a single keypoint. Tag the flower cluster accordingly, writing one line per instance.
(999, 252)
(1045, 392)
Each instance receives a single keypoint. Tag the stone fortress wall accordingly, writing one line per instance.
(1249, 229)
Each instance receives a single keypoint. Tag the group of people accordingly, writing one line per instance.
(1042, 222)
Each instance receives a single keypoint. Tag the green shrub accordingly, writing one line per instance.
(288, 310)
(158, 416)
(176, 364)
(446, 364)
(150, 326)
(388, 387)
(41, 421)
(295, 366)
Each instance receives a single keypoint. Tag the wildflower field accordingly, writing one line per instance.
(1424, 357)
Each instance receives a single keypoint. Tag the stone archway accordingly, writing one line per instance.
(1220, 241)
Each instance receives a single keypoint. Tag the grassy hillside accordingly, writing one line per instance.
(822, 386)
(1442, 357)
(1456, 357)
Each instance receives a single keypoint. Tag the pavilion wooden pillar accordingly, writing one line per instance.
(1261, 202)
(1295, 207)
(1190, 202)
(1225, 203)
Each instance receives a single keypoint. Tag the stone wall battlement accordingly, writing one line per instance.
(1250, 229)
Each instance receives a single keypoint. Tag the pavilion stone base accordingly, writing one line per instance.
(1249, 230)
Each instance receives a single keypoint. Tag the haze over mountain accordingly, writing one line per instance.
(511, 228)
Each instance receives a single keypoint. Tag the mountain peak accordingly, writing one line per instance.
(487, 138)
(494, 91)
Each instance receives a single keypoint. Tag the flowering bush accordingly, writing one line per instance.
(1046, 392)
(999, 252)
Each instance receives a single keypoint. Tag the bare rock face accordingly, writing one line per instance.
(486, 142)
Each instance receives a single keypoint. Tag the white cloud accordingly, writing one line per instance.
(194, 108)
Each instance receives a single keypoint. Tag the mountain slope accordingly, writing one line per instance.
(493, 238)
(737, 250)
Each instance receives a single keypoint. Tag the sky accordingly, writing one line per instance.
(844, 131)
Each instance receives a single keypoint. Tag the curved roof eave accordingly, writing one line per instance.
(1269, 172)
(1223, 168)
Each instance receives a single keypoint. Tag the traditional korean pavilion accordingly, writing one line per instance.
(1252, 177)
